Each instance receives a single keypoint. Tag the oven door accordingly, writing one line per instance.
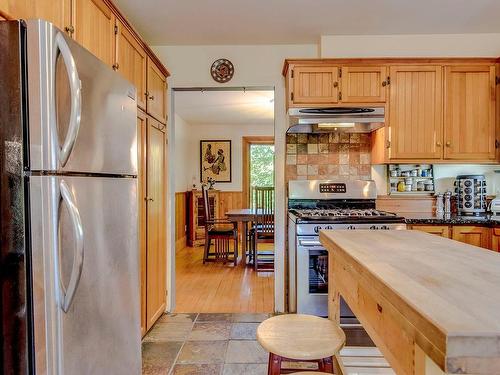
(312, 280)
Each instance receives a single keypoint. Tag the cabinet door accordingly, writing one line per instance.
(469, 127)
(495, 239)
(131, 61)
(157, 92)
(415, 112)
(141, 194)
(156, 225)
(364, 84)
(472, 235)
(439, 230)
(315, 85)
(95, 29)
(56, 11)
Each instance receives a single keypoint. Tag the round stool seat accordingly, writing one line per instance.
(300, 337)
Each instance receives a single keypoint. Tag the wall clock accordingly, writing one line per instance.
(222, 70)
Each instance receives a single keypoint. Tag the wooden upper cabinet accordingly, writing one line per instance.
(56, 11)
(314, 85)
(363, 84)
(131, 61)
(472, 235)
(469, 114)
(156, 92)
(156, 225)
(415, 112)
(95, 28)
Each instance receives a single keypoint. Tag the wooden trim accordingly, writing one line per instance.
(6, 16)
(390, 61)
(245, 143)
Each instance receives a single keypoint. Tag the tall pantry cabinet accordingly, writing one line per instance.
(100, 27)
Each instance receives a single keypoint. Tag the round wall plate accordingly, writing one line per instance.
(222, 70)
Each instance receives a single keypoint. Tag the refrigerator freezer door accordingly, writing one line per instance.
(86, 275)
(82, 114)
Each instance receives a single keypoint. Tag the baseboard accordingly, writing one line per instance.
(181, 243)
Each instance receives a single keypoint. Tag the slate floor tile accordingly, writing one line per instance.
(197, 370)
(202, 352)
(178, 318)
(244, 331)
(169, 332)
(245, 351)
(216, 317)
(250, 318)
(159, 357)
(210, 331)
(245, 368)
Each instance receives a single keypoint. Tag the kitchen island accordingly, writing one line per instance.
(430, 304)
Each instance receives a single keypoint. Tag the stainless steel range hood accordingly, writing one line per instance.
(340, 119)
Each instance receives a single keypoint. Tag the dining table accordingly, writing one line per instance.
(243, 216)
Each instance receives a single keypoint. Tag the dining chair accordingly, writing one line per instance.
(222, 232)
(263, 228)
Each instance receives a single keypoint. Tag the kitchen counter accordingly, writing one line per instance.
(450, 219)
(430, 304)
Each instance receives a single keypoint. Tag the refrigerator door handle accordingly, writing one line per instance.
(67, 295)
(76, 97)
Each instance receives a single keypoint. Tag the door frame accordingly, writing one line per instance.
(280, 124)
(246, 142)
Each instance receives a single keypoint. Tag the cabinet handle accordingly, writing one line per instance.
(439, 144)
(149, 199)
(146, 94)
(116, 66)
(388, 144)
(69, 29)
(335, 84)
(152, 97)
(448, 144)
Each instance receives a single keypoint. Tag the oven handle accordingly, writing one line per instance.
(310, 243)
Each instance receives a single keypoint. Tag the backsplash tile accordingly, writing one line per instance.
(328, 156)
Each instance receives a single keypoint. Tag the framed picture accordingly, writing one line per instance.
(215, 160)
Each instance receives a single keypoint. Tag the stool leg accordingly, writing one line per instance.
(274, 366)
(326, 365)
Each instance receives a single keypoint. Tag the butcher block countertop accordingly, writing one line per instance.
(420, 295)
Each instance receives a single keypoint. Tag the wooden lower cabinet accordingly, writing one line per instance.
(440, 230)
(495, 239)
(156, 266)
(472, 235)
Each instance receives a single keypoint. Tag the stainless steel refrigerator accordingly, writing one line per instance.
(68, 204)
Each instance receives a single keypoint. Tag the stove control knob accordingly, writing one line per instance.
(384, 227)
(373, 227)
(329, 227)
(316, 229)
(351, 227)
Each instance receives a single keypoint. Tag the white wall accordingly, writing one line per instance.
(190, 142)
(424, 45)
(258, 65)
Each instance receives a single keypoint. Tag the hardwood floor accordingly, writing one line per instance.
(219, 288)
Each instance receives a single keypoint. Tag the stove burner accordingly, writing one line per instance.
(341, 212)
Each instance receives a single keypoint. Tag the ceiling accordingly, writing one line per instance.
(192, 22)
(225, 107)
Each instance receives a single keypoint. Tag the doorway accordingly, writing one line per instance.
(243, 119)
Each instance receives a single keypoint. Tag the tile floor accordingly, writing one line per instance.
(225, 344)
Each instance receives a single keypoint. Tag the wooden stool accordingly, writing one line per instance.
(301, 338)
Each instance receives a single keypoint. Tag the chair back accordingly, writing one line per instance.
(264, 209)
(206, 204)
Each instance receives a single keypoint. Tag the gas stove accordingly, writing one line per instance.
(326, 205)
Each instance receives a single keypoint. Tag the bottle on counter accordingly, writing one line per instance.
(447, 202)
(439, 203)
